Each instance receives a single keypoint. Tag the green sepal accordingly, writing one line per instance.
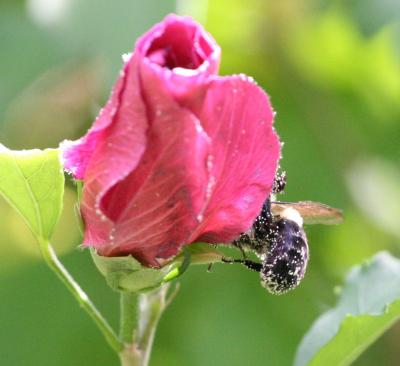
(128, 274)
(178, 271)
(203, 253)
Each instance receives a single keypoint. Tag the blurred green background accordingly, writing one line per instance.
(332, 69)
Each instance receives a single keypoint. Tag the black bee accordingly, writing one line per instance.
(277, 237)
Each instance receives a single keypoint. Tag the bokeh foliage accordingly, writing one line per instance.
(332, 69)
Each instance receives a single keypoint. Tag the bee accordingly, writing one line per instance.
(278, 239)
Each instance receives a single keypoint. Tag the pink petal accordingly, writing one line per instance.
(179, 42)
(118, 150)
(237, 116)
(154, 209)
(181, 53)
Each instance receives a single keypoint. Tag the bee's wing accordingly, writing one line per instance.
(311, 212)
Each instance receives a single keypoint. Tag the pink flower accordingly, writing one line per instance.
(178, 154)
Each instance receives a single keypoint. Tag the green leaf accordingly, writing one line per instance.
(33, 182)
(368, 305)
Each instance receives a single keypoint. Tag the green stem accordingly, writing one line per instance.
(151, 306)
(129, 315)
(130, 356)
(53, 262)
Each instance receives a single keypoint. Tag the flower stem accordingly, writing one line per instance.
(141, 334)
(151, 307)
(53, 262)
(129, 316)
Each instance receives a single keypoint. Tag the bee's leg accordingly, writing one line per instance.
(254, 266)
(242, 251)
(209, 268)
(241, 243)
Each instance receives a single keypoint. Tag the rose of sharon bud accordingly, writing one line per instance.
(178, 154)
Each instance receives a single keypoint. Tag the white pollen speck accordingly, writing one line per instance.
(210, 162)
(126, 56)
(112, 233)
(210, 187)
(200, 217)
(101, 215)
